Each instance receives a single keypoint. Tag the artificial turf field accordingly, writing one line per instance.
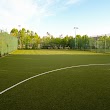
(77, 88)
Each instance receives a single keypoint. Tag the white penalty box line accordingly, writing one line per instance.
(13, 86)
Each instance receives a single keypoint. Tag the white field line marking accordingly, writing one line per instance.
(49, 72)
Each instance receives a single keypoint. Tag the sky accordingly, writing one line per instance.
(92, 17)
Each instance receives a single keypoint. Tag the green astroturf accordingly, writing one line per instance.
(84, 88)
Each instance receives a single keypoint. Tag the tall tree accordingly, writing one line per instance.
(14, 32)
(78, 41)
(85, 42)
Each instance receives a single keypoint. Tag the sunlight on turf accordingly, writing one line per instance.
(54, 52)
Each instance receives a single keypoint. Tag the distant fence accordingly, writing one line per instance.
(100, 44)
(8, 43)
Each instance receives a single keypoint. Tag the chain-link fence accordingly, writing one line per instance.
(7, 43)
(100, 44)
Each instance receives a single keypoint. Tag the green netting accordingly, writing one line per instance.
(8, 43)
(100, 44)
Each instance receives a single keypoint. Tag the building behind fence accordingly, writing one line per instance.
(8, 43)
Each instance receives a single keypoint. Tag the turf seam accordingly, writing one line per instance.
(77, 66)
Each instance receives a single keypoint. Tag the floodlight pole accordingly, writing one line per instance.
(75, 35)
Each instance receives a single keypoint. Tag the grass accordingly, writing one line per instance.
(53, 52)
(84, 88)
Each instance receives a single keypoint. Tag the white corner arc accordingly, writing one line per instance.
(47, 73)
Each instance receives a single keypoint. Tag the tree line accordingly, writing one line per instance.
(31, 40)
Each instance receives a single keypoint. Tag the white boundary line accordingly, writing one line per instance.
(47, 73)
